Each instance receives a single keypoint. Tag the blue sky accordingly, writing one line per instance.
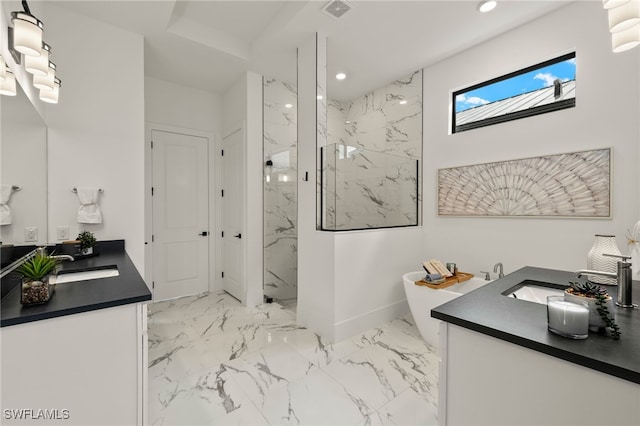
(537, 79)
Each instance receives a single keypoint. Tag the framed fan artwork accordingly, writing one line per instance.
(576, 184)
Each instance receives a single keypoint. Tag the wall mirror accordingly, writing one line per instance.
(23, 158)
(370, 168)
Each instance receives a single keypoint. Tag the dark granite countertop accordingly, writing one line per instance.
(524, 323)
(73, 298)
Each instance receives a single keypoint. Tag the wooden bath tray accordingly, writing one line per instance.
(458, 278)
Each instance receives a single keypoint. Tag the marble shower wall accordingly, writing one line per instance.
(280, 190)
(374, 141)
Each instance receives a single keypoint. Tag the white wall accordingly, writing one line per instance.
(316, 250)
(96, 131)
(606, 115)
(180, 106)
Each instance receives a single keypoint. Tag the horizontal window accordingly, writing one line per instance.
(538, 89)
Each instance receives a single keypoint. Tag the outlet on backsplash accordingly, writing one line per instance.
(30, 234)
(63, 233)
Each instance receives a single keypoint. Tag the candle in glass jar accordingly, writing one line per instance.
(568, 319)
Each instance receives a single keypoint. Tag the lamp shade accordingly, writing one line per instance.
(625, 40)
(624, 16)
(51, 96)
(38, 65)
(27, 33)
(45, 82)
(8, 85)
(3, 69)
(610, 4)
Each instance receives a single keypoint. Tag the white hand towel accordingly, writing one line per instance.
(5, 210)
(89, 211)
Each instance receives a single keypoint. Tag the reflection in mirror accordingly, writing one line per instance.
(370, 170)
(23, 156)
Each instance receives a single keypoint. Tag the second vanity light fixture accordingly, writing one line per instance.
(624, 23)
(25, 40)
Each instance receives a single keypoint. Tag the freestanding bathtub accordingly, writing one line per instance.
(422, 299)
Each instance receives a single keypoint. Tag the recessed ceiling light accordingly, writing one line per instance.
(288, 106)
(341, 76)
(402, 102)
(487, 6)
(347, 122)
(319, 97)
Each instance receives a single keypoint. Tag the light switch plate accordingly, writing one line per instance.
(63, 233)
(30, 234)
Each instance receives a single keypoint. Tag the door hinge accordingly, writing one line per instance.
(222, 234)
(153, 284)
(223, 275)
(222, 153)
(151, 144)
(153, 238)
(222, 192)
(152, 191)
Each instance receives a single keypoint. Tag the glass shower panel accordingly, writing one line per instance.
(366, 189)
(280, 191)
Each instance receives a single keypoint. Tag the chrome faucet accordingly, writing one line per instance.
(622, 277)
(63, 257)
(498, 267)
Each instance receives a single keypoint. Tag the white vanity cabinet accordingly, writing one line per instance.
(82, 369)
(488, 381)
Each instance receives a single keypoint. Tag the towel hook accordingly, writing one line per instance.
(74, 189)
(16, 188)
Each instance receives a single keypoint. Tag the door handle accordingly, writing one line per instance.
(203, 234)
(238, 236)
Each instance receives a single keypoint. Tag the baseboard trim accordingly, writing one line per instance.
(377, 317)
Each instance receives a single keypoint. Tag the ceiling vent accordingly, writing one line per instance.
(337, 8)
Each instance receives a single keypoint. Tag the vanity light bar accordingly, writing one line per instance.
(25, 38)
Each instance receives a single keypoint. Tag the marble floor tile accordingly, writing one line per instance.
(214, 361)
(316, 399)
(408, 408)
(264, 371)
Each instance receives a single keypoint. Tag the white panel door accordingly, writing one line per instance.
(233, 214)
(180, 215)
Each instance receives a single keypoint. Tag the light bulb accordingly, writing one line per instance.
(51, 96)
(487, 6)
(45, 82)
(625, 16)
(8, 85)
(3, 69)
(38, 65)
(27, 33)
(625, 40)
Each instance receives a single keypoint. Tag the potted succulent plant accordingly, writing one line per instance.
(87, 242)
(600, 305)
(35, 272)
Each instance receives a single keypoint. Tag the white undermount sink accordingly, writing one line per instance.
(533, 292)
(71, 277)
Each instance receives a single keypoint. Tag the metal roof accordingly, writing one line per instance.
(517, 103)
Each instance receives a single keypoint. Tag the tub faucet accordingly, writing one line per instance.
(622, 277)
(498, 267)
